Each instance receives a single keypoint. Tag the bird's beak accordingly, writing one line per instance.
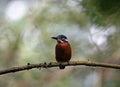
(54, 38)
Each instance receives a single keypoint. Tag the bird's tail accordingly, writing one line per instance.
(62, 66)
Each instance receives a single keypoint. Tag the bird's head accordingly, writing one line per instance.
(60, 38)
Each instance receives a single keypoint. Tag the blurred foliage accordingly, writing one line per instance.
(92, 27)
(103, 12)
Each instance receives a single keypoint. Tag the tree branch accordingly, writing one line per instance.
(55, 64)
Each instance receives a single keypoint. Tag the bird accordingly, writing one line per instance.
(62, 50)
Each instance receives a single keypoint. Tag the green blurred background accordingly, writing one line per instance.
(93, 30)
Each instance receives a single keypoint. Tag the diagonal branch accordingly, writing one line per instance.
(54, 64)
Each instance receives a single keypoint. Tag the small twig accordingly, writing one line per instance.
(54, 64)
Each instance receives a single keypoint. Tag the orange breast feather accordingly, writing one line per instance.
(63, 52)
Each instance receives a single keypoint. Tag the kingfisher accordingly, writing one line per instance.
(62, 50)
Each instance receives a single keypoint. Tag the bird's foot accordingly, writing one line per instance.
(61, 66)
